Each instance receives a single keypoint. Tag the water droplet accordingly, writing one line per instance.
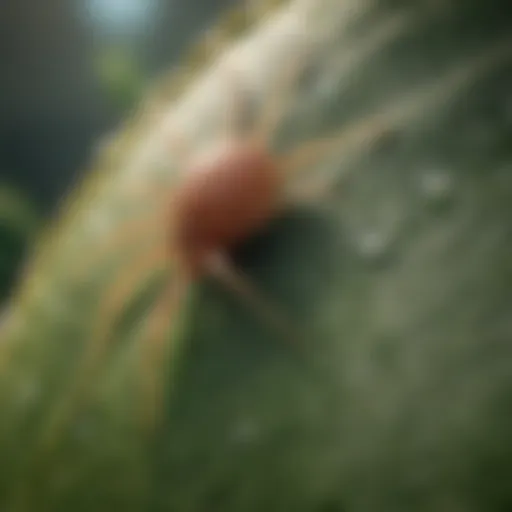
(436, 184)
(373, 244)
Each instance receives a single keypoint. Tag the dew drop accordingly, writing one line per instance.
(436, 184)
(373, 244)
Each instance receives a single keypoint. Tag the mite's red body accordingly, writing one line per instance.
(225, 196)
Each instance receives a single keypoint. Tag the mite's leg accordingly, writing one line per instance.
(116, 297)
(154, 213)
(381, 127)
(95, 350)
(133, 274)
(127, 233)
(155, 357)
(220, 268)
(368, 133)
(275, 106)
(175, 146)
(235, 107)
(133, 225)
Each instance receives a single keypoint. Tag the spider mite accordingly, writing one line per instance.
(225, 195)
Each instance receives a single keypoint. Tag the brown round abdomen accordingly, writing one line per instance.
(223, 200)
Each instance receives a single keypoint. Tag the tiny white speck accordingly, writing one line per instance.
(373, 243)
(436, 184)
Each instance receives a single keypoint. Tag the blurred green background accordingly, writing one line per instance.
(71, 69)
